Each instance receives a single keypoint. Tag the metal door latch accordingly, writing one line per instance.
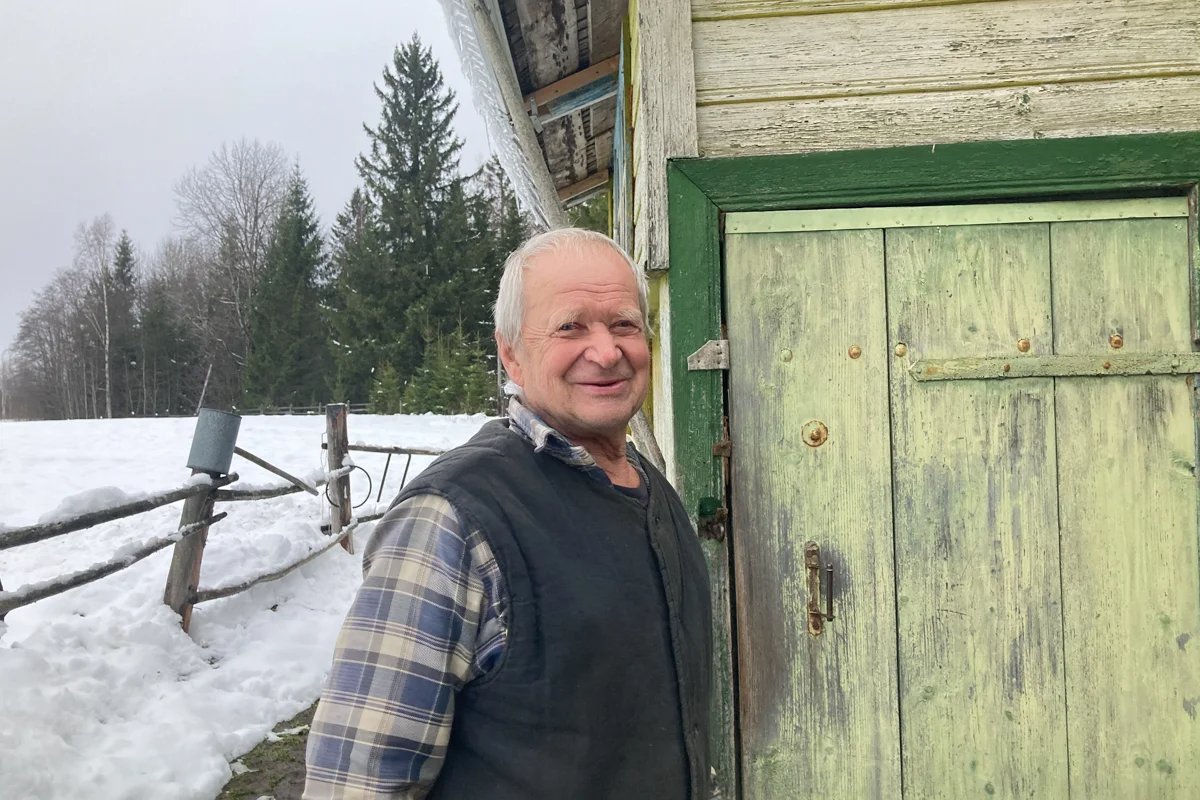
(812, 564)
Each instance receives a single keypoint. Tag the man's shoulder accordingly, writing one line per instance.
(494, 446)
(495, 440)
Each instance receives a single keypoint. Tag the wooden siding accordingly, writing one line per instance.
(777, 77)
(662, 116)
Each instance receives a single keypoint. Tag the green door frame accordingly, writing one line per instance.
(701, 191)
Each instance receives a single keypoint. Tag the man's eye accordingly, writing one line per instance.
(626, 325)
(567, 327)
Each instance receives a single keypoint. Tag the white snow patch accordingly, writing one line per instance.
(104, 694)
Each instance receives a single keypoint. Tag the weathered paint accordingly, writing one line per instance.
(702, 189)
(976, 532)
(733, 9)
(695, 284)
(1128, 502)
(665, 121)
(780, 77)
(818, 715)
(1098, 364)
(949, 173)
(843, 219)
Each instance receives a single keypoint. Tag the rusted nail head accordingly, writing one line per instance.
(1117, 341)
(855, 351)
(1106, 365)
(1007, 367)
(1023, 345)
(901, 350)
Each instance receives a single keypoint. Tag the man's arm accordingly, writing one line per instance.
(425, 622)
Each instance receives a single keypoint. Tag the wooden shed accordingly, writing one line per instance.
(924, 278)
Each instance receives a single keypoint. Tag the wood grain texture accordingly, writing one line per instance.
(1146, 105)
(665, 125)
(818, 714)
(661, 394)
(1128, 504)
(694, 294)
(732, 9)
(942, 48)
(980, 635)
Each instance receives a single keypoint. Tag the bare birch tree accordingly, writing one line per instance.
(95, 244)
(230, 205)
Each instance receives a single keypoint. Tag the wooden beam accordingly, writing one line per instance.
(253, 459)
(574, 82)
(39, 591)
(14, 537)
(495, 50)
(585, 97)
(666, 125)
(578, 190)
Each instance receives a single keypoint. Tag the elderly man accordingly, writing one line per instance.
(534, 622)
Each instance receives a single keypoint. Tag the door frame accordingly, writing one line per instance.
(701, 191)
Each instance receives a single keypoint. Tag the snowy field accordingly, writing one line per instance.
(103, 695)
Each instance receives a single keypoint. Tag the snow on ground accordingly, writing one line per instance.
(103, 695)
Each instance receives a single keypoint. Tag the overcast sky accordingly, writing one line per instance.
(105, 105)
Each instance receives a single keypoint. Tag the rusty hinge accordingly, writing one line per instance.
(714, 354)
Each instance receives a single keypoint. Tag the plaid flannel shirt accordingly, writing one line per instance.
(431, 616)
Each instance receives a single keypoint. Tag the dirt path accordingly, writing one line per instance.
(275, 768)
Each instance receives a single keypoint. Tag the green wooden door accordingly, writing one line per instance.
(984, 417)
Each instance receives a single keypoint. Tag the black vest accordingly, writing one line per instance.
(602, 691)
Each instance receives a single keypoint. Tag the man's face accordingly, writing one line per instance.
(582, 361)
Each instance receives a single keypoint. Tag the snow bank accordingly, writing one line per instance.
(104, 696)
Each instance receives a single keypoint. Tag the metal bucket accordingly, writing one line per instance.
(213, 442)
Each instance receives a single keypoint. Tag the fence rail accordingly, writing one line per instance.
(14, 537)
(40, 591)
(182, 590)
(320, 408)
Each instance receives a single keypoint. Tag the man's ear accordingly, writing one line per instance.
(508, 357)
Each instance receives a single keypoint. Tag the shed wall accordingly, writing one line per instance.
(793, 76)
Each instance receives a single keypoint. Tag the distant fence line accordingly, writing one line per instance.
(182, 589)
(263, 411)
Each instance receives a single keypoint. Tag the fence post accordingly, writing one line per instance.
(183, 579)
(211, 453)
(337, 444)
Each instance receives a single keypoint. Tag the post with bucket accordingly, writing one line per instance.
(211, 454)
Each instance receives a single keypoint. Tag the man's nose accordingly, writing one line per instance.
(602, 349)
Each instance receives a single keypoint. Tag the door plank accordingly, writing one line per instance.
(1128, 503)
(979, 624)
(818, 714)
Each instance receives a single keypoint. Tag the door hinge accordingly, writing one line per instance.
(713, 355)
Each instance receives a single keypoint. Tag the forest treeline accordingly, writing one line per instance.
(255, 303)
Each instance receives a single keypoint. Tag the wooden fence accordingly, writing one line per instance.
(189, 538)
(353, 408)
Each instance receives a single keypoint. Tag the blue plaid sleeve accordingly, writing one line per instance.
(430, 616)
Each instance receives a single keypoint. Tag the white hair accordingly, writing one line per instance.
(509, 311)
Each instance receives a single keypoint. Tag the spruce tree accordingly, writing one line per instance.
(288, 361)
(453, 378)
(357, 267)
(385, 392)
(411, 176)
(122, 312)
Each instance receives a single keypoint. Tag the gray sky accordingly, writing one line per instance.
(105, 105)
